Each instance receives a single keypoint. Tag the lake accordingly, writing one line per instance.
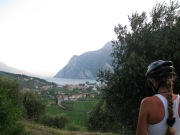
(63, 81)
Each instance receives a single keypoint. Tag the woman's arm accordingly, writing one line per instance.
(142, 124)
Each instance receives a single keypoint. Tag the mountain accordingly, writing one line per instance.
(6, 68)
(29, 82)
(87, 65)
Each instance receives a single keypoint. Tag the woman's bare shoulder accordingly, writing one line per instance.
(148, 101)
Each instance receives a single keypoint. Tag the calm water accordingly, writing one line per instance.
(63, 81)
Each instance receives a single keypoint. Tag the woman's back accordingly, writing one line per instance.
(158, 114)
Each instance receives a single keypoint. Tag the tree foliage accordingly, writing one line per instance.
(57, 121)
(149, 39)
(34, 105)
(10, 107)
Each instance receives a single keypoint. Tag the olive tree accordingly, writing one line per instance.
(149, 39)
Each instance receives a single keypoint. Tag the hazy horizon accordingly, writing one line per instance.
(40, 36)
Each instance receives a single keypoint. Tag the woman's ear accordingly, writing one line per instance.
(154, 83)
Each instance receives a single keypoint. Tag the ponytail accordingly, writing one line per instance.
(171, 119)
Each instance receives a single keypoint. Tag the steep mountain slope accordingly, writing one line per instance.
(87, 65)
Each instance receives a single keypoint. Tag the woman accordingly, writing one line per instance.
(160, 114)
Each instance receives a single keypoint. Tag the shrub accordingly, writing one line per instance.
(34, 105)
(74, 127)
(10, 107)
(58, 121)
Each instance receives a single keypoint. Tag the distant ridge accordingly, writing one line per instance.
(6, 68)
(87, 65)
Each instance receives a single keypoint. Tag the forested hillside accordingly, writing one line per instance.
(28, 82)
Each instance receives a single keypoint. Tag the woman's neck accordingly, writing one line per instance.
(162, 90)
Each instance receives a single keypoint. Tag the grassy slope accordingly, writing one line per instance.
(37, 129)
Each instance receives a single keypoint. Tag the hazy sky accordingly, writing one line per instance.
(40, 36)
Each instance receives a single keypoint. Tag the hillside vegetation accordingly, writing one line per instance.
(38, 129)
(38, 104)
(28, 82)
